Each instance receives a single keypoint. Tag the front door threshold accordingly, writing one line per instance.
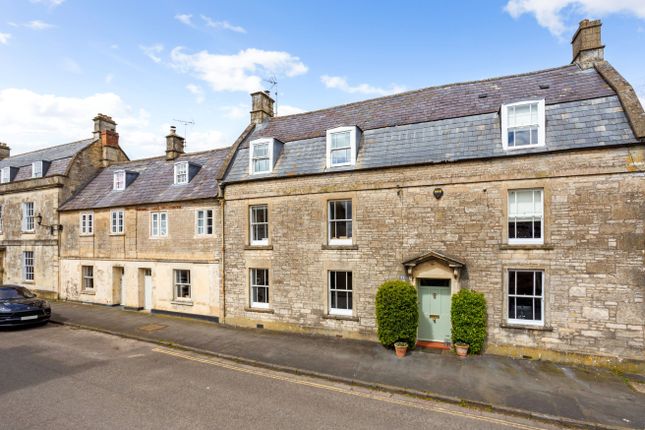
(433, 345)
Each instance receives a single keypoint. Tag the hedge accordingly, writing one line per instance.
(397, 315)
(468, 313)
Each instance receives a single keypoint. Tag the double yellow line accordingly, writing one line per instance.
(373, 396)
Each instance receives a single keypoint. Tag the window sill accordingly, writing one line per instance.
(340, 317)
(340, 247)
(88, 292)
(28, 281)
(527, 246)
(28, 232)
(258, 247)
(117, 234)
(526, 327)
(86, 234)
(259, 310)
(182, 302)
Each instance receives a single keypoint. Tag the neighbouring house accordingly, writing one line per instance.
(32, 186)
(144, 234)
(528, 188)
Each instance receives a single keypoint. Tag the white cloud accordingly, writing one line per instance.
(38, 25)
(340, 83)
(243, 71)
(205, 140)
(197, 91)
(71, 66)
(222, 25)
(49, 3)
(153, 51)
(551, 14)
(4, 38)
(238, 111)
(185, 19)
(284, 110)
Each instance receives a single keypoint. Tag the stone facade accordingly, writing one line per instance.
(120, 261)
(592, 254)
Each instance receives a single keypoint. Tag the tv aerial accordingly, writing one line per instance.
(185, 123)
(273, 81)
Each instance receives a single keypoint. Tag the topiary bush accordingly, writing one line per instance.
(397, 315)
(468, 313)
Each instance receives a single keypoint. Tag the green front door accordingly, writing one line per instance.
(434, 310)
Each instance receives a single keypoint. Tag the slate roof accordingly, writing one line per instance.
(153, 182)
(447, 123)
(59, 156)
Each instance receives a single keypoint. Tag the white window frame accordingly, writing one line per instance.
(86, 227)
(87, 277)
(353, 134)
(202, 215)
(255, 286)
(510, 297)
(5, 175)
(181, 173)
(37, 169)
(513, 200)
(253, 224)
(335, 241)
(541, 132)
(270, 142)
(1, 219)
(158, 224)
(350, 292)
(118, 181)
(28, 269)
(28, 217)
(177, 285)
(117, 226)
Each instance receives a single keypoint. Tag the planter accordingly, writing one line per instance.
(461, 349)
(401, 349)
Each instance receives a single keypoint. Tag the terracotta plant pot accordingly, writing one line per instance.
(401, 349)
(461, 349)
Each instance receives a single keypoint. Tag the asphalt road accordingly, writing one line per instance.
(57, 377)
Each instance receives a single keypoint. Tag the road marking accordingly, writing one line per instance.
(373, 396)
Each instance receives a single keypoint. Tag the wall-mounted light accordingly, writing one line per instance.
(437, 193)
(39, 219)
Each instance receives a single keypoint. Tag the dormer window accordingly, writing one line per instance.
(119, 180)
(5, 175)
(37, 169)
(342, 146)
(523, 124)
(181, 173)
(263, 154)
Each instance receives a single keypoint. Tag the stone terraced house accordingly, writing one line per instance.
(144, 234)
(32, 187)
(528, 188)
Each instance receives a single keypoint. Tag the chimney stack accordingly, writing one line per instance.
(5, 151)
(261, 107)
(105, 130)
(174, 144)
(587, 45)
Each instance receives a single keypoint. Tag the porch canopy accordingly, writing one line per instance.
(449, 261)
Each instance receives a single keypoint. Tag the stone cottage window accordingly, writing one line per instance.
(523, 124)
(526, 297)
(342, 146)
(28, 265)
(28, 217)
(119, 180)
(340, 293)
(340, 222)
(260, 156)
(37, 169)
(5, 175)
(87, 223)
(260, 288)
(117, 221)
(204, 222)
(181, 173)
(159, 224)
(259, 225)
(88, 277)
(526, 216)
(182, 284)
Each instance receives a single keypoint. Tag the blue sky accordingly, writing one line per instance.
(147, 63)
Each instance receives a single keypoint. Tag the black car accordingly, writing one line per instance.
(19, 306)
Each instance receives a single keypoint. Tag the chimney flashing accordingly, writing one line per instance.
(586, 44)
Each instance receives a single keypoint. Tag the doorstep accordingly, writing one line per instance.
(433, 345)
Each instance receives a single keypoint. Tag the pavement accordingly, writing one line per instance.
(59, 377)
(568, 395)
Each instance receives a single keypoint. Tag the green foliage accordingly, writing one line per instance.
(468, 313)
(397, 315)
